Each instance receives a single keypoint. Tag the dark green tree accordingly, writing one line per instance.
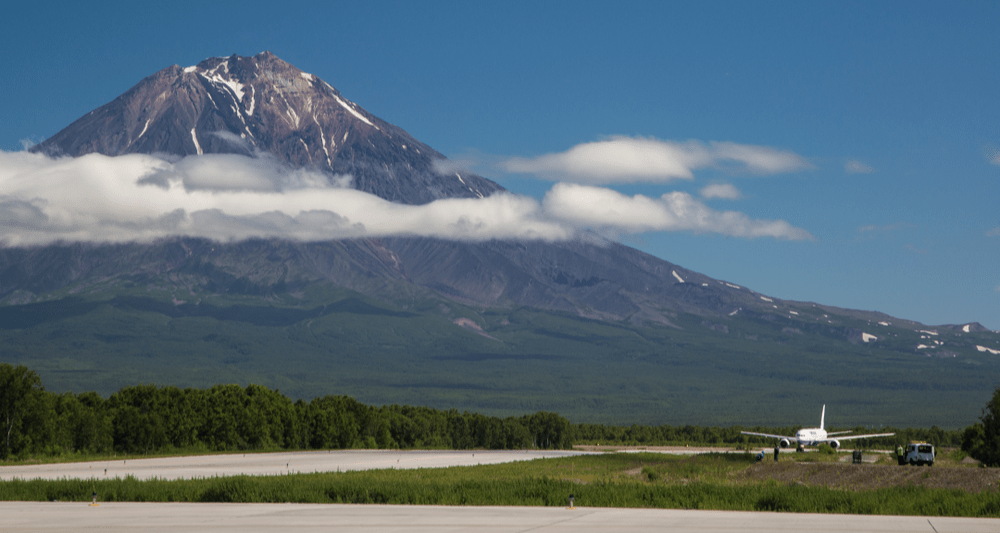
(549, 430)
(331, 422)
(81, 424)
(516, 436)
(982, 439)
(140, 418)
(225, 418)
(22, 409)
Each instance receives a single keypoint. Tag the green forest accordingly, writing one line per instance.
(149, 419)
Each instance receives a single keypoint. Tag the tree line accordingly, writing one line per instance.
(150, 419)
(154, 419)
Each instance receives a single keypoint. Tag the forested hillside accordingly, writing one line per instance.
(146, 419)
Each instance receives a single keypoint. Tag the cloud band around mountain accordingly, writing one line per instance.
(637, 159)
(600, 208)
(231, 197)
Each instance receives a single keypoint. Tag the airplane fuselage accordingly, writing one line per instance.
(810, 436)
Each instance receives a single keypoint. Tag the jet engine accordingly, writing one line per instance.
(783, 443)
(835, 444)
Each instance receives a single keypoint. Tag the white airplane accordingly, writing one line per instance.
(815, 436)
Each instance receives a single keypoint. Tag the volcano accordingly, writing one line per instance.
(263, 105)
(248, 105)
(590, 328)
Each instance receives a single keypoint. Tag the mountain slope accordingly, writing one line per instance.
(591, 329)
(247, 105)
(262, 105)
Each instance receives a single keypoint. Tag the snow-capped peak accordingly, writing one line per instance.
(261, 104)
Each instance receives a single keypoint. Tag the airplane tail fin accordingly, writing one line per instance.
(822, 417)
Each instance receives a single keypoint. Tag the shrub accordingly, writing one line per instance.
(826, 448)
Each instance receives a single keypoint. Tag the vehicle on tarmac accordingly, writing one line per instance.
(918, 453)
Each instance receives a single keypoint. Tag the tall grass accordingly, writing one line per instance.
(686, 483)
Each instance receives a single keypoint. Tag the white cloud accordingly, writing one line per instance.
(637, 159)
(992, 154)
(224, 197)
(757, 159)
(854, 166)
(884, 229)
(28, 142)
(721, 190)
(142, 197)
(604, 209)
(995, 232)
(232, 172)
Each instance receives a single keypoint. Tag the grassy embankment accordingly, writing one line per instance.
(88, 457)
(713, 481)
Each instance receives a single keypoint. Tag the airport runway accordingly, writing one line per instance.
(37, 517)
(160, 517)
(271, 464)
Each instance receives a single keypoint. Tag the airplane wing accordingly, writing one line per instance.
(849, 437)
(768, 435)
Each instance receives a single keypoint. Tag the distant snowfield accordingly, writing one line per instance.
(270, 464)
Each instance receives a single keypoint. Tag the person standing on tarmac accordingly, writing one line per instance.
(776, 454)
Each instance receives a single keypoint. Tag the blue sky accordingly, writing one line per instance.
(889, 107)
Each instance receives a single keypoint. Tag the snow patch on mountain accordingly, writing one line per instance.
(194, 137)
(353, 111)
(253, 92)
(144, 128)
(234, 86)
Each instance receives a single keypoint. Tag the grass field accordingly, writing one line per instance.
(735, 481)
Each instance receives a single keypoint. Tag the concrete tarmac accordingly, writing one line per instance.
(38, 517)
(272, 464)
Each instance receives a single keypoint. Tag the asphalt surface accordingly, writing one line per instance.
(37, 517)
(270, 464)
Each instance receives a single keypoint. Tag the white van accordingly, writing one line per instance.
(919, 453)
